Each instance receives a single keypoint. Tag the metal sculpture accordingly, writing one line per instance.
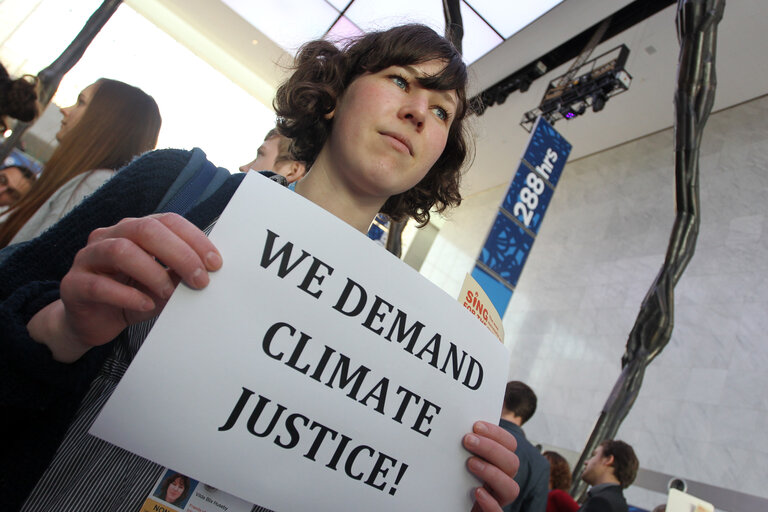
(454, 26)
(50, 77)
(697, 22)
(454, 32)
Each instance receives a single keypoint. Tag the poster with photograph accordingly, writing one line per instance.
(316, 371)
(175, 492)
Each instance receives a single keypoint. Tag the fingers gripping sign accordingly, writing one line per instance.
(495, 463)
(118, 279)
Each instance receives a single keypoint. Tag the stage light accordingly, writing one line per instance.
(592, 84)
(575, 109)
(598, 102)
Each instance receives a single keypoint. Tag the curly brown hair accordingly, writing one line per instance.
(559, 471)
(18, 98)
(322, 72)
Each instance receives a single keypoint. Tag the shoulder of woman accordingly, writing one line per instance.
(161, 158)
(93, 179)
(560, 494)
(82, 185)
(161, 164)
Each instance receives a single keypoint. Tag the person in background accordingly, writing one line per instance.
(612, 468)
(533, 475)
(274, 155)
(558, 499)
(18, 99)
(15, 182)
(110, 124)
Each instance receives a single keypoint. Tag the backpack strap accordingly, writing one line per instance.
(196, 182)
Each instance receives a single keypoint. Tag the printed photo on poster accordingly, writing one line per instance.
(175, 489)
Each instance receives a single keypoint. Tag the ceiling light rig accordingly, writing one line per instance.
(590, 85)
(519, 81)
(577, 49)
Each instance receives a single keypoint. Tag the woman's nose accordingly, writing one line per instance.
(415, 109)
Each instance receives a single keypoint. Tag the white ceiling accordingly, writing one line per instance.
(226, 41)
(646, 108)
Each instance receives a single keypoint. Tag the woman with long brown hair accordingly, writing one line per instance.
(110, 124)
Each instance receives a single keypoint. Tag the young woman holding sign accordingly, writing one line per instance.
(380, 123)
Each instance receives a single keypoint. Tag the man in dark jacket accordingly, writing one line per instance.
(612, 468)
(533, 474)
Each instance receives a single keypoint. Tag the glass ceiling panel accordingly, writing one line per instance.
(343, 29)
(378, 15)
(478, 38)
(339, 4)
(279, 21)
(289, 23)
(507, 19)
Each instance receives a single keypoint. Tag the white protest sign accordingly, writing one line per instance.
(315, 371)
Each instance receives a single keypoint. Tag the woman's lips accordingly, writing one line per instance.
(399, 142)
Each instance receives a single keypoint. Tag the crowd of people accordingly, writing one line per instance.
(18, 100)
(544, 479)
(374, 126)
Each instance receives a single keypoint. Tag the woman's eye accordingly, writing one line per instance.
(400, 82)
(441, 113)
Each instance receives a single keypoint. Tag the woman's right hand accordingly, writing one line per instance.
(118, 280)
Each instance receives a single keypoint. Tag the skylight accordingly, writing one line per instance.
(289, 23)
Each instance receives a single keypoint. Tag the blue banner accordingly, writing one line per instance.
(505, 250)
(547, 151)
(528, 206)
(522, 210)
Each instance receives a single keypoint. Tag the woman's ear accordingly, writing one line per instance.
(296, 171)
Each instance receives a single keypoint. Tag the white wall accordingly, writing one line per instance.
(703, 411)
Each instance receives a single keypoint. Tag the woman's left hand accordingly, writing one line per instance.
(495, 464)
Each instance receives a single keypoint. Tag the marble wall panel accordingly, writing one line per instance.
(636, 495)
(702, 413)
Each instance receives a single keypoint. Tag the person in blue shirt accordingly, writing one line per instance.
(533, 475)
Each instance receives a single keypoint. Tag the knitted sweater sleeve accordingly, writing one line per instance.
(29, 377)
(30, 277)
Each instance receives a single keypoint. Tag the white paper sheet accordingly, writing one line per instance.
(390, 439)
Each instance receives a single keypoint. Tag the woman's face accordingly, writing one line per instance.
(74, 113)
(388, 130)
(175, 490)
(13, 186)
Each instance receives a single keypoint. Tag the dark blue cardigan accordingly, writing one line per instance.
(39, 396)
